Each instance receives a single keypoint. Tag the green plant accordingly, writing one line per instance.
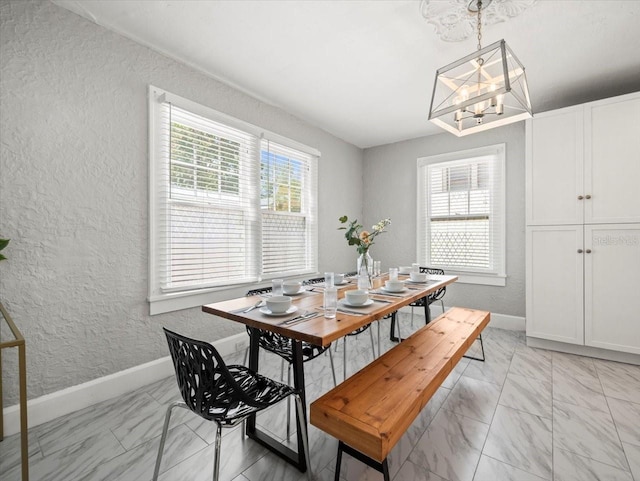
(362, 239)
(3, 244)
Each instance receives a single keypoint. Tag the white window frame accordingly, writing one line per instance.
(496, 274)
(172, 299)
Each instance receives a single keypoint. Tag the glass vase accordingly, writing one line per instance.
(365, 271)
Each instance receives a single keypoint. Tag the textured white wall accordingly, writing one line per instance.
(73, 194)
(390, 180)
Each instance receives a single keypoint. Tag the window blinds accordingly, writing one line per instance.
(207, 203)
(230, 204)
(463, 214)
(289, 210)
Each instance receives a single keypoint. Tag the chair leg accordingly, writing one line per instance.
(411, 322)
(281, 370)
(442, 304)
(333, 369)
(344, 359)
(163, 438)
(379, 351)
(289, 405)
(373, 349)
(305, 438)
(216, 461)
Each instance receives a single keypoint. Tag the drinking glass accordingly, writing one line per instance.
(377, 265)
(330, 302)
(328, 279)
(276, 290)
(415, 267)
(393, 273)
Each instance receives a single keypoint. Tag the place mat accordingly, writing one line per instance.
(380, 292)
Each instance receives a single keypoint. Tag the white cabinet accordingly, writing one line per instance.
(583, 225)
(555, 277)
(555, 166)
(612, 161)
(583, 164)
(612, 287)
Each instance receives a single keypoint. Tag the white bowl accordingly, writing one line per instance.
(338, 278)
(291, 287)
(418, 276)
(394, 286)
(357, 297)
(278, 304)
(404, 269)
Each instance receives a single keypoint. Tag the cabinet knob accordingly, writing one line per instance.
(588, 251)
(580, 251)
(580, 197)
(587, 196)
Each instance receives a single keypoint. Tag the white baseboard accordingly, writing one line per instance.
(500, 321)
(65, 401)
(74, 398)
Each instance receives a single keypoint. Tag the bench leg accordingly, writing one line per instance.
(382, 467)
(481, 347)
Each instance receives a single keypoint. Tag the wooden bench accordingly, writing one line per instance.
(369, 412)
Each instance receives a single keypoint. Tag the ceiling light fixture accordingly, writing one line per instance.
(483, 90)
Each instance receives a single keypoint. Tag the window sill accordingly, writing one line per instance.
(487, 280)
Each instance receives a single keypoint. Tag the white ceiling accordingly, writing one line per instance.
(364, 70)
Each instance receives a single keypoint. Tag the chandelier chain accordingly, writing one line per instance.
(479, 24)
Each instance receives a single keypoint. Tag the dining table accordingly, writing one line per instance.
(301, 324)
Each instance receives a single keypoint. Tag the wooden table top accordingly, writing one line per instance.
(319, 330)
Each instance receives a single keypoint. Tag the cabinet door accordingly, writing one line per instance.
(554, 159)
(555, 283)
(612, 160)
(612, 287)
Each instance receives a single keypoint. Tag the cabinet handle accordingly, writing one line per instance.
(580, 197)
(587, 196)
(588, 251)
(579, 251)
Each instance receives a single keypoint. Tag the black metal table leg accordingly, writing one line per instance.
(272, 444)
(382, 467)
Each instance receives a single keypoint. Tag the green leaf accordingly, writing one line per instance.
(2, 258)
(3, 243)
(343, 219)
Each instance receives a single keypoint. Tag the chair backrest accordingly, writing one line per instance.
(439, 294)
(315, 280)
(257, 292)
(203, 378)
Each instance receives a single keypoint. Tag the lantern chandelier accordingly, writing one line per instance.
(483, 90)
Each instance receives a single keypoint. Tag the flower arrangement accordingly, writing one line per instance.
(362, 239)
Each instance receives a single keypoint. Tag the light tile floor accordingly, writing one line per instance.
(523, 415)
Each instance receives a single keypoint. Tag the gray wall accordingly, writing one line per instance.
(390, 180)
(73, 194)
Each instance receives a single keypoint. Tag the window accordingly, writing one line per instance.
(461, 214)
(230, 203)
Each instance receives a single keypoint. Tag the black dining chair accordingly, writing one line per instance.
(226, 395)
(425, 302)
(283, 347)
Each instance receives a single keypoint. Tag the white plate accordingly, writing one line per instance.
(417, 282)
(393, 292)
(347, 303)
(302, 289)
(343, 283)
(267, 312)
